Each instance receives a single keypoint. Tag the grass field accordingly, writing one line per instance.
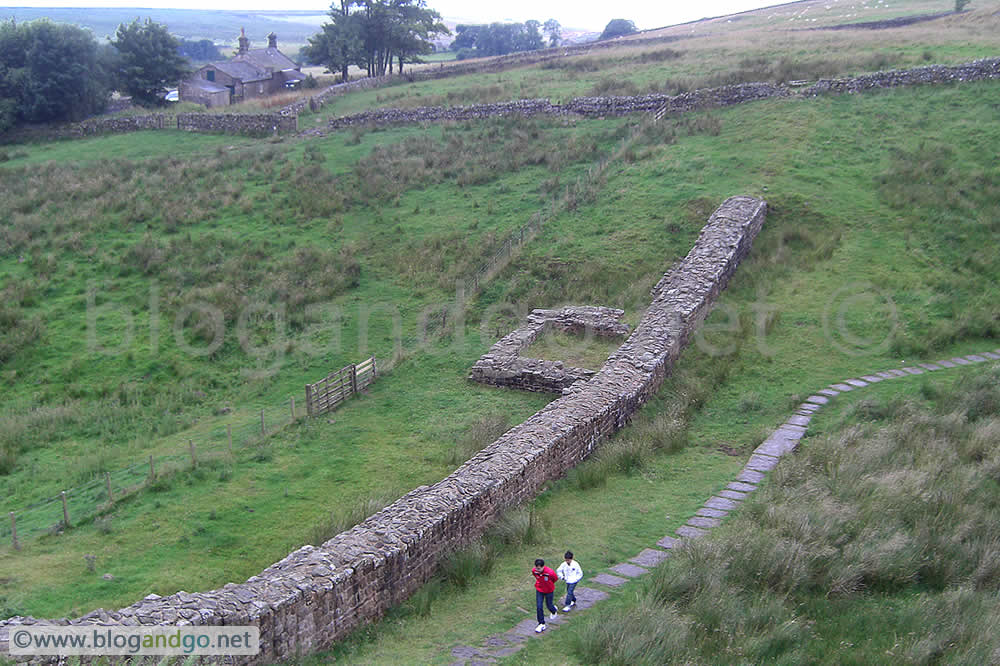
(876, 252)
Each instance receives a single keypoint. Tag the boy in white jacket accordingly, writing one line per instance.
(571, 572)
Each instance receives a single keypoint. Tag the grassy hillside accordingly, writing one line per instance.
(843, 244)
(876, 252)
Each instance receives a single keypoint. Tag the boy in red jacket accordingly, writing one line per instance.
(545, 585)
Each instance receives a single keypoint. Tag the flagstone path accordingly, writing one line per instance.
(764, 458)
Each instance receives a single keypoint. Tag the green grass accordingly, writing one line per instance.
(887, 521)
(879, 197)
(573, 350)
(766, 347)
(711, 55)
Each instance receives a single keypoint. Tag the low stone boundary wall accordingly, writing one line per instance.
(503, 364)
(972, 71)
(252, 124)
(317, 595)
(706, 98)
(120, 124)
(592, 107)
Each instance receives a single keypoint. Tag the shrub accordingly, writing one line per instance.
(345, 517)
(478, 433)
(461, 567)
(518, 527)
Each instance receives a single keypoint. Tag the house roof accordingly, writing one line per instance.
(244, 71)
(264, 58)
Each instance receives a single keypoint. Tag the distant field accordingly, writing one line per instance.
(293, 28)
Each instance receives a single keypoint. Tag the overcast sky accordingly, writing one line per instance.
(570, 13)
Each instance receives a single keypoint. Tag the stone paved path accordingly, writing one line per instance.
(765, 457)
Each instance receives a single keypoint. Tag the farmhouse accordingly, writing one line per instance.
(251, 74)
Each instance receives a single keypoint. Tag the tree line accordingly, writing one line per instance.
(473, 41)
(53, 72)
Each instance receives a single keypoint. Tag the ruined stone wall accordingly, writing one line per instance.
(503, 364)
(316, 595)
(251, 124)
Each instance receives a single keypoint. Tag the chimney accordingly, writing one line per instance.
(272, 41)
(244, 43)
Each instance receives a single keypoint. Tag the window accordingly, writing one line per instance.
(210, 74)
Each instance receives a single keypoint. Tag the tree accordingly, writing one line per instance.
(554, 31)
(338, 45)
(498, 38)
(202, 50)
(50, 72)
(617, 28)
(375, 34)
(150, 61)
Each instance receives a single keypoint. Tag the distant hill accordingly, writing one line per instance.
(293, 28)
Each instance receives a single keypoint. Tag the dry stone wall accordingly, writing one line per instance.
(317, 594)
(117, 125)
(707, 98)
(251, 124)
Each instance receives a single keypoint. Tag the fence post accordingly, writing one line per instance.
(354, 378)
(373, 367)
(152, 470)
(194, 460)
(13, 531)
(309, 404)
(65, 510)
(293, 409)
(107, 483)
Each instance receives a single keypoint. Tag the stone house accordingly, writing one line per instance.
(250, 74)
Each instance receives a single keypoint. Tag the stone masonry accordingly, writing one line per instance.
(503, 364)
(317, 594)
(706, 98)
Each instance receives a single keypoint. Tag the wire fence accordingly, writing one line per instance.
(90, 501)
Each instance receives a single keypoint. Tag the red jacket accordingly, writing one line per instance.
(545, 580)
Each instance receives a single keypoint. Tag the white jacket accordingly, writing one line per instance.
(571, 573)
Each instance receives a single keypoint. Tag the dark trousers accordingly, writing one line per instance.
(570, 596)
(547, 598)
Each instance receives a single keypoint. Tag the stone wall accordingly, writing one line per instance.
(251, 124)
(120, 124)
(978, 70)
(503, 364)
(707, 98)
(316, 595)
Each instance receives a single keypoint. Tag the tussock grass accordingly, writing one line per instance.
(478, 433)
(894, 517)
(344, 518)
